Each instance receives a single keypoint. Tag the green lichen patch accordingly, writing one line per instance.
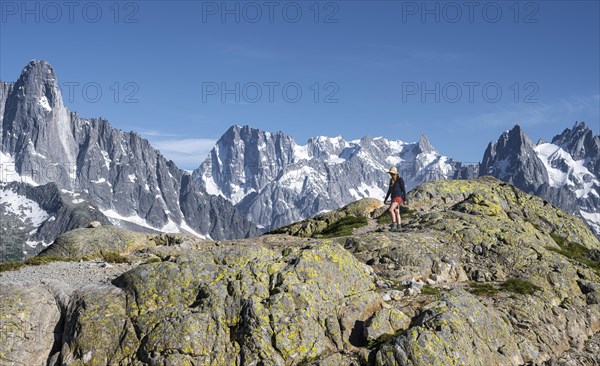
(114, 257)
(153, 260)
(431, 290)
(406, 214)
(515, 285)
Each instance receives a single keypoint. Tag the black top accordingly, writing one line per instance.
(397, 189)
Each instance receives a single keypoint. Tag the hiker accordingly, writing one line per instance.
(398, 192)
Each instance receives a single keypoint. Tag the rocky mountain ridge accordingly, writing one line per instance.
(253, 181)
(120, 173)
(564, 171)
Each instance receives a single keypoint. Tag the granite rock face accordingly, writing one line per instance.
(513, 159)
(30, 317)
(481, 273)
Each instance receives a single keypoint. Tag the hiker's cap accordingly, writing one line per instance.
(393, 170)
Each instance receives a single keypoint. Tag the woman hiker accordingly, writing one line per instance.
(398, 193)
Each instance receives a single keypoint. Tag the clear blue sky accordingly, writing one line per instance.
(379, 58)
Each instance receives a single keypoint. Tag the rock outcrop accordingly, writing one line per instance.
(481, 274)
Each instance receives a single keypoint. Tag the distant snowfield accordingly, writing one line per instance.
(43, 102)
(593, 220)
(367, 191)
(8, 173)
(27, 210)
(574, 173)
(170, 227)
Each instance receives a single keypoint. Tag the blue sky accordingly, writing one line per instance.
(170, 70)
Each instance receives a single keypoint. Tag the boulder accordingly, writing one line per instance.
(385, 324)
(456, 330)
(93, 242)
(29, 323)
(94, 224)
(97, 328)
(224, 303)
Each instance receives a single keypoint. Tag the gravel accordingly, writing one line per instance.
(72, 274)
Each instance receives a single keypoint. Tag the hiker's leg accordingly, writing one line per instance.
(392, 211)
(397, 214)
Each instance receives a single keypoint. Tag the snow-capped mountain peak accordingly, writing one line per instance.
(283, 181)
(120, 173)
(564, 171)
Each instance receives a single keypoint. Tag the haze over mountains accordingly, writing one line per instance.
(67, 170)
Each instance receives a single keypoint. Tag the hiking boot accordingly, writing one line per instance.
(394, 227)
(397, 229)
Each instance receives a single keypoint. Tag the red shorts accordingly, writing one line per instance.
(397, 199)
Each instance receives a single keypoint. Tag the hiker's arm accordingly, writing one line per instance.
(389, 191)
(403, 187)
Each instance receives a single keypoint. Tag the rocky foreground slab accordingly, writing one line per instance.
(482, 274)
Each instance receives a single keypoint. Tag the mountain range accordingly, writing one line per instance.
(60, 171)
(116, 173)
(565, 171)
(274, 181)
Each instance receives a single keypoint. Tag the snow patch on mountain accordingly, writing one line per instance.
(8, 172)
(170, 227)
(238, 193)
(564, 170)
(188, 230)
(367, 191)
(34, 243)
(393, 160)
(43, 102)
(296, 179)
(211, 187)
(27, 210)
(334, 159)
(116, 218)
(593, 220)
(424, 159)
(107, 159)
(301, 153)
